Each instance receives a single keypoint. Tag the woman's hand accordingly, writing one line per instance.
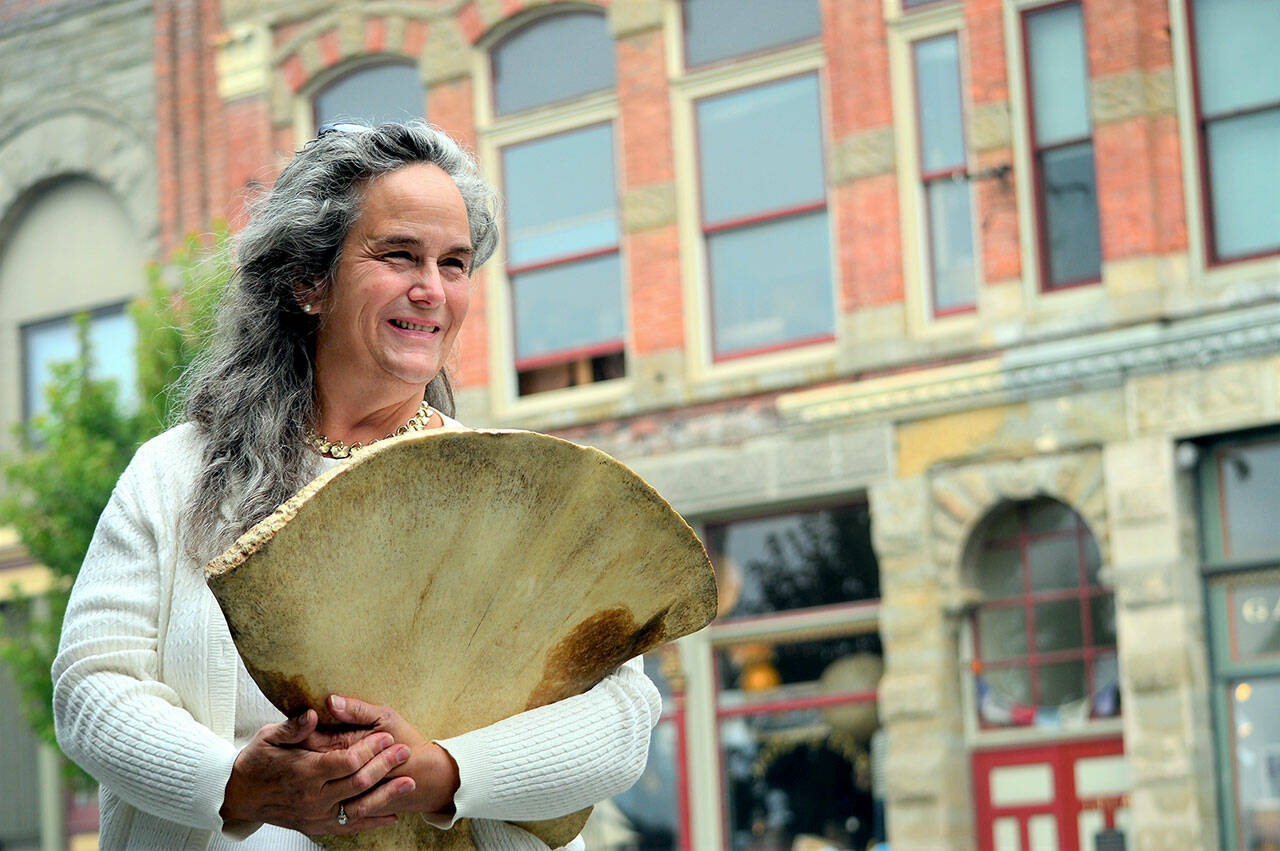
(433, 772)
(292, 776)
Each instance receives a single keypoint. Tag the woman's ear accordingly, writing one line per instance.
(308, 298)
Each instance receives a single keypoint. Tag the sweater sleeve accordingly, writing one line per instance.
(557, 759)
(112, 714)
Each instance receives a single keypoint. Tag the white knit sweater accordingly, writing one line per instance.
(145, 693)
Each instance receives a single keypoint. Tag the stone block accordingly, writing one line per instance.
(989, 126)
(648, 207)
(447, 54)
(900, 507)
(862, 155)
(905, 696)
(1153, 668)
(628, 17)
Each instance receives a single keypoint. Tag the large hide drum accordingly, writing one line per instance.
(460, 577)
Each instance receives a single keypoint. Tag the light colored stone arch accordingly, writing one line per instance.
(960, 500)
(484, 22)
(72, 139)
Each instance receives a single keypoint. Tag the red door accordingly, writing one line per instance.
(1049, 797)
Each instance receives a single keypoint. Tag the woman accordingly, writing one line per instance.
(352, 282)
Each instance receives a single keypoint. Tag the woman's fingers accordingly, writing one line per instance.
(292, 731)
(369, 774)
(348, 710)
(339, 764)
(381, 801)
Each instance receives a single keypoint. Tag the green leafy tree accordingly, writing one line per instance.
(70, 456)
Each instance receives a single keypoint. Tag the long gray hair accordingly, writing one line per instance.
(251, 394)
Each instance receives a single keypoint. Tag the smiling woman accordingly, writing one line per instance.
(352, 282)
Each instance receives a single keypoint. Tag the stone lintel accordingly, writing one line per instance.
(447, 54)
(1129, 94)
(989, 126)
(629, 17)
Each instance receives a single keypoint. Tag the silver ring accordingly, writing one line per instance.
(342, 814)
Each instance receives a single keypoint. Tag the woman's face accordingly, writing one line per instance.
(401, 289)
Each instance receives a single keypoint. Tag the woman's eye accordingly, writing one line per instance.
(398, 255)
(455, 262)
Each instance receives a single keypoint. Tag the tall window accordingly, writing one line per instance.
(112, 338)
(764, 217)
(1044, 634)
(1062, 143)
(1237, 71)
(795, 707)
(947, 203)
(372, 94)
(563, 265)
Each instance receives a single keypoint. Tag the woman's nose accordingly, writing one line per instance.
(428, 288)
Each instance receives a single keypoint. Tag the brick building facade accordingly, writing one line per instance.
(954, 327)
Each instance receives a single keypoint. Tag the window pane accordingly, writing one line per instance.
(1062, 682)
(649, 806)
(1059, 79)
(793, 561)
(1049, 515)
(1102, 610)
(570, 306)
(1058, 626)
(950, 244)
(112, 338)
(1000, 572)
(372, 95)
(1002, 633)
(1237, 64)
(760, 667)
(1255, 711)
(938, 108)
(1250, 481)
(1055, 563)
(760, 149)
(560, 195)
(1009, 685)
(553, 59)
(1071, 214)
(792, 773)
(1244, 182)
(718, 29)
(771, 283)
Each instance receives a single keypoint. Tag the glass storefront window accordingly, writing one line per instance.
(1255, 730)
(794, 561)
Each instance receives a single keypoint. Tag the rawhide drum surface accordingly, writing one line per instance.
(460, 577)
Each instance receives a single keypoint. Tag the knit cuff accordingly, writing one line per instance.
(475, 780)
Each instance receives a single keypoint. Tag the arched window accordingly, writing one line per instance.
(371, 94)
(556, 58)
(1044, 633)
(563, 261)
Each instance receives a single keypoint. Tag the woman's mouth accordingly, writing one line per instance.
(428, 328)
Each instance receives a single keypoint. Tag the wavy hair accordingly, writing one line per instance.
(251, 393)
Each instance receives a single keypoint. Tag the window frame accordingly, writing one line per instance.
(304, 109)
(511, 28)
(1200, 124)
(924, 178)
(1035, 151)
(703, 712)
(494, 133)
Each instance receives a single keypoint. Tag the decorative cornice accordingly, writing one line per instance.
(1104, 359)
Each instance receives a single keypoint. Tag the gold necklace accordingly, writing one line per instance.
(338, 449)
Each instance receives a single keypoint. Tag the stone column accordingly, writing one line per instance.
(1161, 635)
(919, 700)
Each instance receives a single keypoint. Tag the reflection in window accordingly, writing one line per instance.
(797, 743)
(794, 561)
(371, 94)
(757, 26)
(112, 339)
(940, 117)
(1062, 141)
(764, 216)
(1238, 91)
(1249, 484)
(1045, 631)
(555, 58)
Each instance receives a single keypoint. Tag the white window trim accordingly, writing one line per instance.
(494, 133)
(686, 89)
(917, 283)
